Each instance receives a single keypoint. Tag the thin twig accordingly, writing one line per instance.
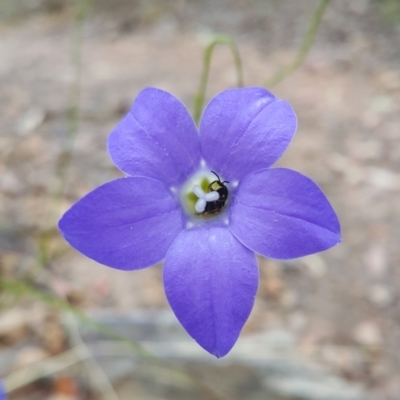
(304, 47)
(48, 367)
(208, 52)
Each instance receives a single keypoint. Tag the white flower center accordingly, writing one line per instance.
(203, 198)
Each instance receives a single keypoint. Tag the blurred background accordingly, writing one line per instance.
(324, 327)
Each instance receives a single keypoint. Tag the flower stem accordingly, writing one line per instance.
(304, 47)
(21, 289)
(208, 52)
(81, 10)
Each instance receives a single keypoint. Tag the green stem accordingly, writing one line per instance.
(81, 11)
(21, 289)
(207, 56)
(304, 47)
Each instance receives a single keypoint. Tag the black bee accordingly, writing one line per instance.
(214, 207)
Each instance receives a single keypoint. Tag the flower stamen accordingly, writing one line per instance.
(203, 198)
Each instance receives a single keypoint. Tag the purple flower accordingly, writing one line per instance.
(166, 209)
(3, 395)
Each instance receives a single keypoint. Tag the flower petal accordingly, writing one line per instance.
(210, 281)
(2, 391)
(157, 139)
(245, 130)
(280, 213)
(126, 224)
